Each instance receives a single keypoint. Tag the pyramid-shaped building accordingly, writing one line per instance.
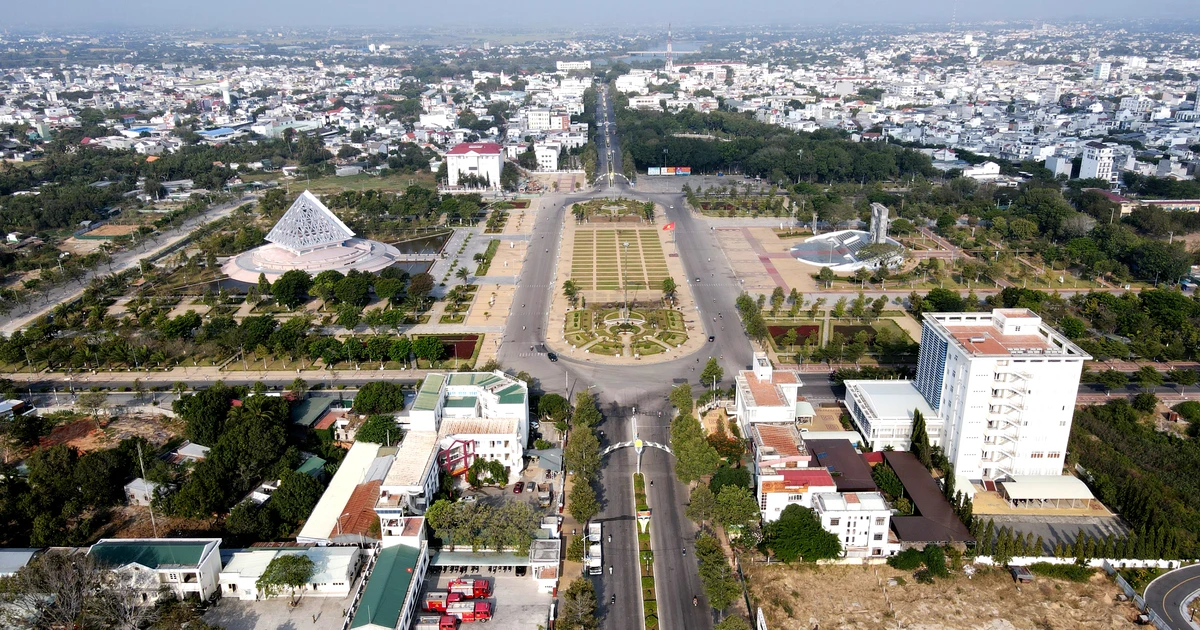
(310, 237)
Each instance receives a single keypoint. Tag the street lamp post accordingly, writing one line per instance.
(625, 275)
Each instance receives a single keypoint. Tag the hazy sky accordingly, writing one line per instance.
(386, 14)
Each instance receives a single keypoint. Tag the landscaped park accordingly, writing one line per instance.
(620, 295)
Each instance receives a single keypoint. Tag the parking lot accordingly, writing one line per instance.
(498, 496)
(516, 604)
(1059, 529)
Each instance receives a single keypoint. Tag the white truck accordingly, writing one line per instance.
(594, 560)
(594, 531)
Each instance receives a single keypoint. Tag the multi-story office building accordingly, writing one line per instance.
(997, 391)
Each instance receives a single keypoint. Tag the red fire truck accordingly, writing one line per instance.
(470, 589)
(436, 601)
(470, 611)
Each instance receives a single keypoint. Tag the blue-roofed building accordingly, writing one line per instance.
(220, 133)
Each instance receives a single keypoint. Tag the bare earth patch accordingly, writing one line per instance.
(858, 597)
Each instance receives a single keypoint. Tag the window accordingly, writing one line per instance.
(878, 536)
(1053, 455)
(834, 522)
(879, 520)
(174, 577)
(1035, 455)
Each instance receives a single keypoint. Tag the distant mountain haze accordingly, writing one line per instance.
(238, 15)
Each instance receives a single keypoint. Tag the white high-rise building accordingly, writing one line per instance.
(1097, 162)
(997, 391)
(1101, 71)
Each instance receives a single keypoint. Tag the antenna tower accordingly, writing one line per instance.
(670, 68)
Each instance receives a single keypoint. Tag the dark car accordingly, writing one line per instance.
(518, 487)
(711, 338)
(553, 357)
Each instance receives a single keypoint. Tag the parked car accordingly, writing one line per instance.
(518, 487)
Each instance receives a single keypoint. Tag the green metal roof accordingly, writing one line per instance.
(461, 401)
(383, 599)
(308, 411)
(474, 378)
(149, 554)
(427, 398)
(512, 395)
(312, 466)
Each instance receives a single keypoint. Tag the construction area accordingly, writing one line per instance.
(878, 596)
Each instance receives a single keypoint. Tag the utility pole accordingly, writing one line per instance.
(142, 464)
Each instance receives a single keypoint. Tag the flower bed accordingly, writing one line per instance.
(645, 558)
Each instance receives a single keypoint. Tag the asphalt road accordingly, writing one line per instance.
(1167, 594)
(619, 390)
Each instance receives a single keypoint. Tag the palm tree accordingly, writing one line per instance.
(462, 273)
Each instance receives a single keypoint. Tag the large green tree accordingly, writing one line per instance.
(290, 571)
(579, 606)
(291, 289)
(379, 429)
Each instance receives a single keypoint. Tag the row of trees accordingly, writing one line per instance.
(695, 457)
(582, 458)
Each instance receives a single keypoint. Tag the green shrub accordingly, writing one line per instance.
(1072, 572)
(935, 561)
(907, 560)
(1189, 409)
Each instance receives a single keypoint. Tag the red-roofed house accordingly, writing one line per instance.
(787, 486)
(484, 160)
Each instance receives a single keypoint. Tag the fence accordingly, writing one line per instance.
(1098, 563)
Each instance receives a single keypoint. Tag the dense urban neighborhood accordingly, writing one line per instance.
(409, 329)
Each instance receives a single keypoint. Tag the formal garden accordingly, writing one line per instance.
(613, 211)
(602, 261)
(605, 329)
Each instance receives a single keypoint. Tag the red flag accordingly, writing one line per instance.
(669, 226)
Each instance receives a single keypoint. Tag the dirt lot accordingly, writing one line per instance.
(853, 597)
(131, 521)
(113, 229)
(87, 436)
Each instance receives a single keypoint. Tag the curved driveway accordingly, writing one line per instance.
(1167, 594)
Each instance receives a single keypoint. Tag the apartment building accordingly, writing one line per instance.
(997, 391)
(1097, 162)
